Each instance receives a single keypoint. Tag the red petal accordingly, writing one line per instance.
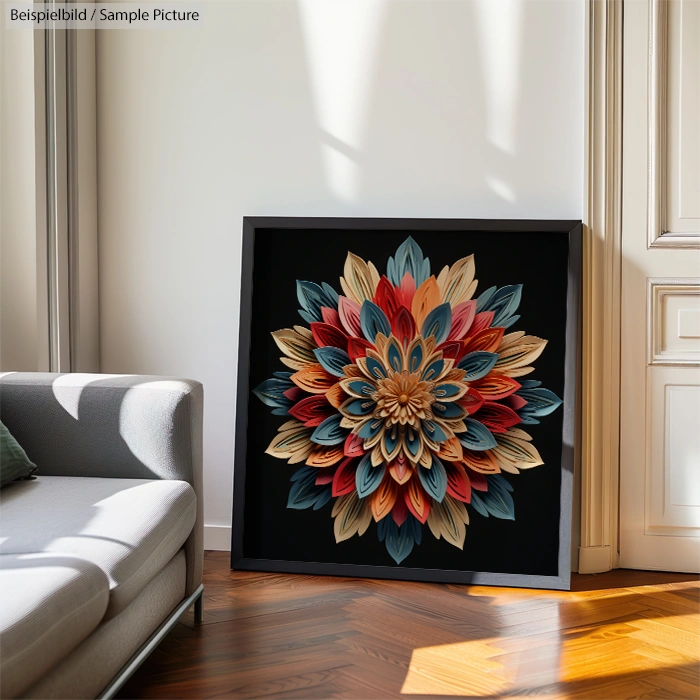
(495, 386)
(497, 417)
(462, 319)
(325, 476)
(403, 326)
(344, 477)
(326, 335)
(472, 401)
(357, 347)
(354, 446)
(478, 481)
(481, 321)
(349, 313)
(408, 289)
(400, 512)
(515, 402)
(486, 340)
(458, 485)
(387, 297)
(452, 349)
(312, 411)
(417, 500)
(331, 317)
(294, 394)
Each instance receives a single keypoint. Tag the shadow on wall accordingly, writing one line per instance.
(447, 92)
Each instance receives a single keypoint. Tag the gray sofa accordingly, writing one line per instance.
(102, 552)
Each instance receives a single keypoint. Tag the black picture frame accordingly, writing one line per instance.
(254, 230)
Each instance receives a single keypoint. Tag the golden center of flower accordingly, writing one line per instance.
(403, 398)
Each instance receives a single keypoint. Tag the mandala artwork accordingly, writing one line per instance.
(405, 398)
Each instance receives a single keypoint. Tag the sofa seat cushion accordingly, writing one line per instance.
(50, 604)
(130, 528)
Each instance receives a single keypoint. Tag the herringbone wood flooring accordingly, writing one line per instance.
(625, 634)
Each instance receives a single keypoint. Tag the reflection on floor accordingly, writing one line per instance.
(624, 634)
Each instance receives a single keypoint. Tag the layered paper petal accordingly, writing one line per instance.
(360, 279)
(457, 283)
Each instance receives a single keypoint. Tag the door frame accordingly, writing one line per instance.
(602, 268)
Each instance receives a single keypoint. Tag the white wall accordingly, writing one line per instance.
(18, 250)
(312, 107)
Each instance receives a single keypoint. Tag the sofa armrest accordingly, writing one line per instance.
(119, 426)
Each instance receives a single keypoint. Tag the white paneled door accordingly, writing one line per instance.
(660, 363)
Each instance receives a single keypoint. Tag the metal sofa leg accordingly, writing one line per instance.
(199, 608)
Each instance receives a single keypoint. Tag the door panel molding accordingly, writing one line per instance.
(672, 482)
(602, 291)
(658, 74)
(662, 347)
(658, 235)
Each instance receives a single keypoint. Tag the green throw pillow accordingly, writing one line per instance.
(14, 463)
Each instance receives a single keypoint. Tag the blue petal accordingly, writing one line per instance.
(330, 432)
(412, 442)
(432, 371)
(484, 299)
(478, 505)
(373, 321)
(540, 401)
(434, 480)
(446, 390)
(323, 497)
(304, 492)
(309, 318)
(498, 500)
(367, 477)
(478, 437)
(333, 360)
(415, 359)
(448, 410)
(498, 481)
(360, 407)
(395, 357)
(383, 527)
(375, 368)
(312, 297)
(507, 323)
(438, 323)
(360, 386)
(331, 295)
(477, 364)
(434, 431)
(370, 429)
(399, 541)
(271, 392)
(391, 438)
(529, 383)
(504, 303)
(413, 525)
(408, 258)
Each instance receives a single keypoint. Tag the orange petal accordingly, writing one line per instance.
(335, 395)
(427, 297)
(383, 498)
(451, 450)
(313, 379)
(325, 456)
(417, 500)
(482, 462)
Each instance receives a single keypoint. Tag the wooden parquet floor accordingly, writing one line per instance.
(624, 634)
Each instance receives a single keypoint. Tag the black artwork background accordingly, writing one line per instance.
(528, 545)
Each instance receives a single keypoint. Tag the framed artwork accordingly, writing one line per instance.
(407, 399)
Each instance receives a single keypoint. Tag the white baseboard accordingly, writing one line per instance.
(594, 560)
(217, 537)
